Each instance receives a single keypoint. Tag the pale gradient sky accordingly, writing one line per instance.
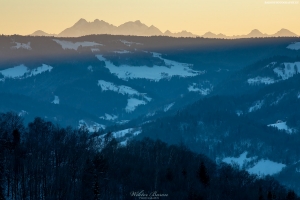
(231, 17)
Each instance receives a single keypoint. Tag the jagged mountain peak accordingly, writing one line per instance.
(80, 22)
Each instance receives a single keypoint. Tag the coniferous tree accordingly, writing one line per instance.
(270, 196)
(169, 175)
(291, 195)
(203, 175)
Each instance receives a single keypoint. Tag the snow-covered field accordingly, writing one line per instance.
(94, 49)
(22, 113)
(240, 161)
(127, 43)
(288, 71)
(282, 126)
(15, 72)
(132, 103)
(71, 45)
(109, 117)
(266, 167)
(122, 51)
(260, 80)
(294, 46)
(262, 167)
(22, 71)
(92, 127)
(90, 68)
(203, 91)
(239, 112)
(154, 73)
(21, 46)
(168, 107)
(56, 100)
(122, 133)
(121, 89)
(39, 70)
(257, 105)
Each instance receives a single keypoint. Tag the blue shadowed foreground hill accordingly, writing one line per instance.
(45, 161)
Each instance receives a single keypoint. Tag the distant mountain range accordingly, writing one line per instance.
(83, 27)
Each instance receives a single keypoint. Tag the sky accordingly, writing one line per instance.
(230, 17)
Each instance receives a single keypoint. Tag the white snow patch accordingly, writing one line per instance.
(154, 73)
(15, 72)
(130, 43)
(240, 161)
(260, 80)
(239, 112)
(71, 45)
(56, 100)
(93, 127)
(122, 89)
(22, 113)
(270, 65)
(109, 117)
(90, 68)
(21, 46)
(203, 91)
(132, 103)
(131, 131)
(288, 71)
(266, 167)
(124, 143)
(257, 105)
(122, 52)
(22, 71)
(168, 107)
(282, 126)
(39, 70)
(278, 99)
(123, 122)
(94, 49)
(294, 46)
(150, 114)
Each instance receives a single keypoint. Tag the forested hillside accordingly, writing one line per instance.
(42, 160)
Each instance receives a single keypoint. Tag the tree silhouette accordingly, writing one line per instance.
(203, 175)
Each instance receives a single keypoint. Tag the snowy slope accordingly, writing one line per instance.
(15, 72)
(154, 73)
(21, 46)
(125, 90)
(201, 90)
(56, 100)
(109, 117)
(71, 45)
(22, 71)
(91, 127)
(288, 71)
(266, 167)
(168, 107)
(240, 161)
(132, 103)
(122, 51)
(282, 126)
(257, 105)
(262, 167)
(294, 46)
(260, 80)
